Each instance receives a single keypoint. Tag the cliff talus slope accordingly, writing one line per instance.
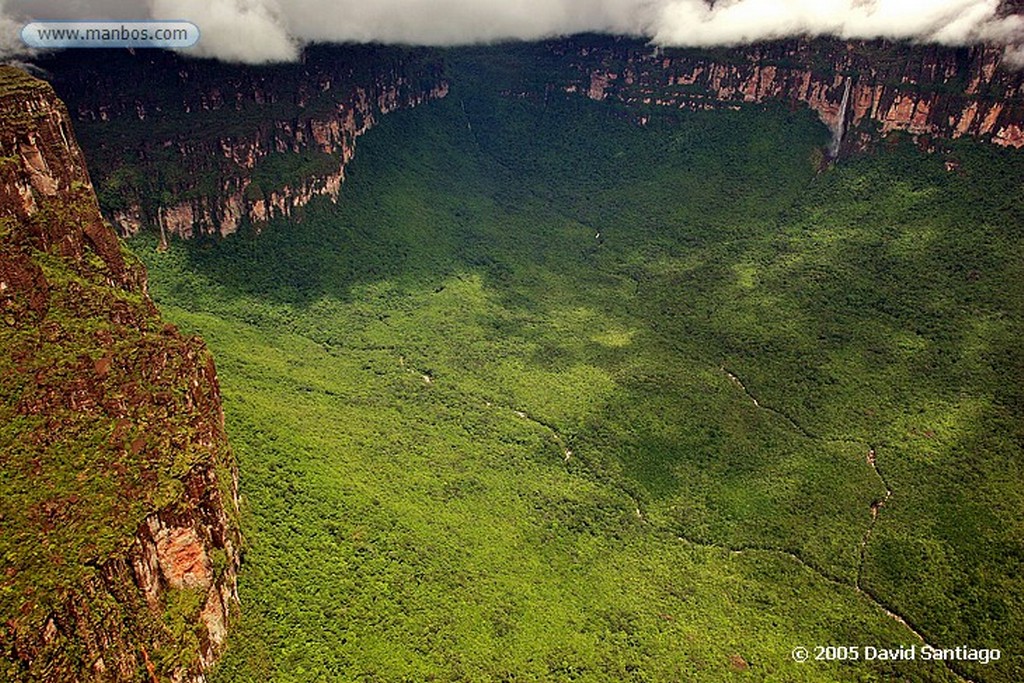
(119, 535)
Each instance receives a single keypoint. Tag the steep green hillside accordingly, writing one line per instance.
(553, 396)
(118, 516)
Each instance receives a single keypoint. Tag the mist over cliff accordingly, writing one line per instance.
(256, 31)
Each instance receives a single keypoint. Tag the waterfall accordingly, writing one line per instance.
(840, 127)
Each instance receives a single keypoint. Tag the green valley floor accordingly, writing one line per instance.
(552, 396)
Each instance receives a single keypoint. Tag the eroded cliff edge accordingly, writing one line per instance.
(862, 90)
(197, 147)
(119, 533)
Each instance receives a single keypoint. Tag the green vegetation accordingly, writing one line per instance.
(550, 396)
(75, 483)
(14, 81)
(100, 423)
(219, 103)
(67, 500)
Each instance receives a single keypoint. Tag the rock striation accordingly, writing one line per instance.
(119, 534)
(205, 148)
(863, 91)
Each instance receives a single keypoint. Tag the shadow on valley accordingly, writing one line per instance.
(511, 405)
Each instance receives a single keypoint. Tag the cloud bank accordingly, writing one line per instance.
(256, 31)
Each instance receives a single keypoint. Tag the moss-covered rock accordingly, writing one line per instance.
(118, 503)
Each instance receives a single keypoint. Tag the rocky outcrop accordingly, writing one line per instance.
(42, 173)
(242, 197)
(206, 147)
(861, 90)
(119, 535)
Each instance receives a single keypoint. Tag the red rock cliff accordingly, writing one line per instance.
(869, 89)
(203, 147)
(119, 535)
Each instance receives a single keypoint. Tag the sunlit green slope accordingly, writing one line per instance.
(553, 396)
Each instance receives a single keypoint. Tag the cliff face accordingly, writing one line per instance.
(861, 90)
(194, 147)
(119, 534)
(204, 147)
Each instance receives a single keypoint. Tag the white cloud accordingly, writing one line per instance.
(249, 31)
(10, 38)
(694, 22)
(446, 22)
(273, 30)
